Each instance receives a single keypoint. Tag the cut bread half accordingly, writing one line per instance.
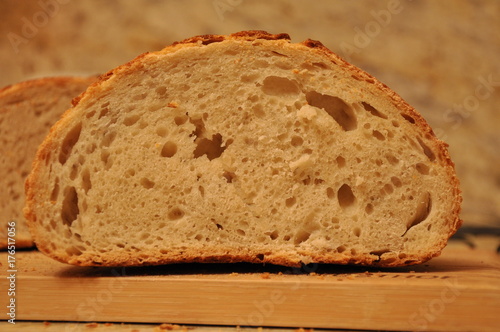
(242, 148)
(27, 112)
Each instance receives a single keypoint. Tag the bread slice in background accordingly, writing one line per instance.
(27, 111)
(242, 148)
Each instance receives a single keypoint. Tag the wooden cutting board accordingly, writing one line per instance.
(459, 291)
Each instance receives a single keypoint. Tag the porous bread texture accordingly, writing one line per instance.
(242, 148)
(27, 111)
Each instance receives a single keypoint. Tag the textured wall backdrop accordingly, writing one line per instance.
(440, 56)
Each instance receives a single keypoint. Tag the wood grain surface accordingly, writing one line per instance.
(458, 291)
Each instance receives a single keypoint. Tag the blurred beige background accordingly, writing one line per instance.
(440, 56)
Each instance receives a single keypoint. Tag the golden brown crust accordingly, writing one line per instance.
(407, 112)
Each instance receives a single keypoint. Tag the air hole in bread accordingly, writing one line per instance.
(161, 90)
(253, 98)
(423, 209)
(321, 65)
(345, 196)
(296, 141)
(422, 168)
(391, 159)
(261, 64)
(212, 148)
(219, 226)
(289, 202)
(396, 181)
(131, 120)
(428, 152)
(162, 131)
(201, 190)
(74, 251)
(379, 252)
(55, 190)
(229, 176)
(301, 236)
(74, 172)
(146, 183)
(69, 142)
(103, 112)
(330, 193)
(285, 65)
(274, 235)
(388, 188)
(260, 257)
(139, 96)
(395, 123)
(105, 158)
(373, 110)
(341, 249)
(240, 232)
(70, 209)
(258, 110)
(342, 113)
(90, 148)
(369, 208)
(407, 118)
(175, 214)
(378, 135)
(280, 86)
(86, 184)
(108, 138)
(52, 224)
(249, 78)
(169, 149)
(181, 119)
(279, 54)
(340, 161)
(357, 231)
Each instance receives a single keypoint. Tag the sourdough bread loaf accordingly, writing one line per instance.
(242, 148)
(27, 111)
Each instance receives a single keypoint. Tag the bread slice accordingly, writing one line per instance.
(27, 111)
(242, 148)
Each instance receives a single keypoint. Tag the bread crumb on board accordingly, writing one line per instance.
(170, 327)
